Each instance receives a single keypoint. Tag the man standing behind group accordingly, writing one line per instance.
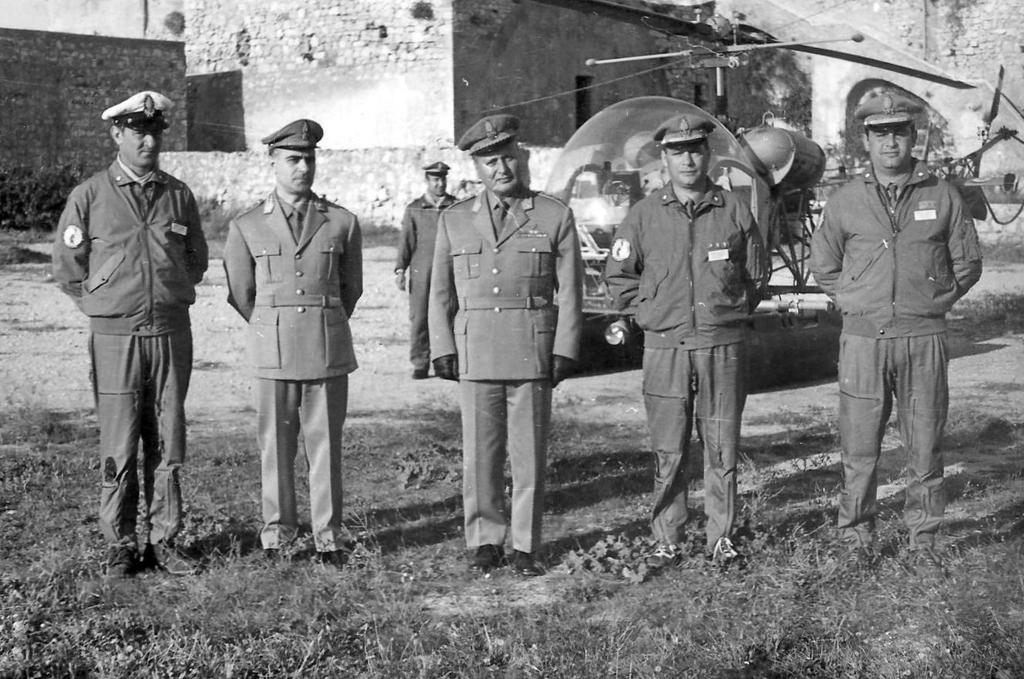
(294, 272)
(129, 251)
(508, 262)
(415, 257)
(896, 248)
(690, 263)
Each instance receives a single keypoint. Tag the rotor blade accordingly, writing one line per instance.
(884, 65)
(993, 110)
(664, 23)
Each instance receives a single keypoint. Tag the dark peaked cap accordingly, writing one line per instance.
(488, 133)
(300, 134)
(683, 129)
(887, 108)
(438, 168)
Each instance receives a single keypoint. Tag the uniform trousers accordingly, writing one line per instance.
(419, 333)
(870, 372)
(318, 409)
(682, 386)
(504, 419)
(139, 383)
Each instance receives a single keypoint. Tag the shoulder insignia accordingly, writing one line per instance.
(73, 236)
(621, 250)
(268, 204)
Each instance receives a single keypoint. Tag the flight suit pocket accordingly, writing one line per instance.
(536, 257)
(268, 261)
(264, 341)
(104, 273)
(466, 261)
(330, 254)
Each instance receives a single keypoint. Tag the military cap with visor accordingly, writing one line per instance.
(143, 111)
(489, 133)
(684, 129)
(437, 169)
(887, 108)
(301, 134)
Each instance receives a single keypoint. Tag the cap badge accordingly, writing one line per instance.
(304, 133)
(148, 107)
(888, 104)
(489, 129)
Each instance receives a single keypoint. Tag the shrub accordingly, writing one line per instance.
(33, 198)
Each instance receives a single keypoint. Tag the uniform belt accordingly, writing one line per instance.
(273, 300)
(470, 303)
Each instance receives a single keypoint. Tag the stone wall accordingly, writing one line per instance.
(150, 19)
(374, 73)
(376, 184)
(54, 86)
(526, 58)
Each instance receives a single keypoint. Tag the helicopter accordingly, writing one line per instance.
(611, 162)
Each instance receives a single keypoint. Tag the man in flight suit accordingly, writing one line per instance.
(896, 248)
(507, 267)
(129, 251)
(416, 254)
(295, 271)
(690, 264)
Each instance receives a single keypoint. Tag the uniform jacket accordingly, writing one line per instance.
(416, 244)
(297, 297)
(691, 282)
(516, 298)
(896, 274)
(131, 273)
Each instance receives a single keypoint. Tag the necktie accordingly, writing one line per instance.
(892, 192)
(296, 224)
(140, 192)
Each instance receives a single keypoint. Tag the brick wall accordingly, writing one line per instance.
(54, 86)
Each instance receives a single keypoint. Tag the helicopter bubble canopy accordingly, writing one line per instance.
(612, 162)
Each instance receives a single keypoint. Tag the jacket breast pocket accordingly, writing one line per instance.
(268, 261)
(104, 273)
(330, 255)
(466, 260)
(535, 257)
(264, 339)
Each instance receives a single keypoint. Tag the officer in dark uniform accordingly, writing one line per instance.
(294, 272)
(129, 251)
(507, 268)
(896, 248)
(415, 256)
(690, 263)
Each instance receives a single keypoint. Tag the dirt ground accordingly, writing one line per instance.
(44, 363)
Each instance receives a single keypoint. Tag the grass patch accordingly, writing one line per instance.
(407, 608)
(989, 315)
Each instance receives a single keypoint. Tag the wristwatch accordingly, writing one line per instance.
(399, 270)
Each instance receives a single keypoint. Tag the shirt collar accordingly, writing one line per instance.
(152, 175)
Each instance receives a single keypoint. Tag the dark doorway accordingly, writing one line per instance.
(584, 102)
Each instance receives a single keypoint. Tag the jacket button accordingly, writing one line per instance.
(298, 255)
(881, 332)
(496, 290)
(298, 274)
(497, 308)
(300, 292)
(495, 272)
(300, 309)
(497, 250)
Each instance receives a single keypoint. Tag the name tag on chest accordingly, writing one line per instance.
(924, 215)
(179, 229)
(717, 255)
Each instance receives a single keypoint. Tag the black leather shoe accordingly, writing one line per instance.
(523, 565)
(486, 559)
(122, 562)
(337, 558)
